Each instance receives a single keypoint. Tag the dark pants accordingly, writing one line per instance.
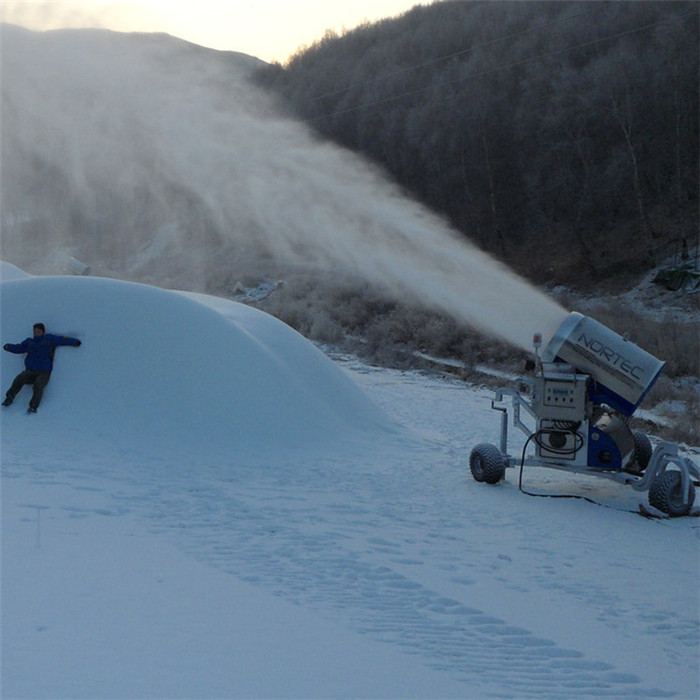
(38, 377)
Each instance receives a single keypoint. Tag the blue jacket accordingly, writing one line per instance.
(40, 350)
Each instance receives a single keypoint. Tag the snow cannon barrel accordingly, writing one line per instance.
(75, 267)
(623, 372)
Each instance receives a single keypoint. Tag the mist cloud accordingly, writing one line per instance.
(143, 149)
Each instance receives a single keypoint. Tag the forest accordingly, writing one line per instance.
(561, 137)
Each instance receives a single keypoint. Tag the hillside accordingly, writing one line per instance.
(562, 137)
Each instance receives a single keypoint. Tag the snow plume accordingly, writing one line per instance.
(158, 158)
(48, 14)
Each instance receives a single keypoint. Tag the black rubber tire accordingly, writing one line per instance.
(665, 494)
(487, 464)
(642, 450)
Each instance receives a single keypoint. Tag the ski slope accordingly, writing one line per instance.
(206, 506)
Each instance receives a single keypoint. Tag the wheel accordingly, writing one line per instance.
(665, 494)
(487, 464)
(642, 450)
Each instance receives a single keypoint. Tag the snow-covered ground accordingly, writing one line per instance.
(206, 506)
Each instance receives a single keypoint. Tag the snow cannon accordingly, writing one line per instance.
(575, 412)
(622, 373)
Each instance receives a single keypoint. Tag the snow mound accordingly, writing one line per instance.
(162, 370)
(8, 272)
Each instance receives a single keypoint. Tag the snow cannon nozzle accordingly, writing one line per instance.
(622, 371)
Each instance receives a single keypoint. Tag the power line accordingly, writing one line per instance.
(500, 67)
(595, 6)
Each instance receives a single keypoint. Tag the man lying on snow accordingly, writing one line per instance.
(38, 363)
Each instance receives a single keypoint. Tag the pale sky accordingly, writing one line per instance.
(268, 29)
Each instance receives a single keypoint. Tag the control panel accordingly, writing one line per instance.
(561, 396)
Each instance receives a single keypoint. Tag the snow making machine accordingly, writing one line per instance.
(588, 381)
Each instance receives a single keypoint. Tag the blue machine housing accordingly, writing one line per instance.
(610, 443)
